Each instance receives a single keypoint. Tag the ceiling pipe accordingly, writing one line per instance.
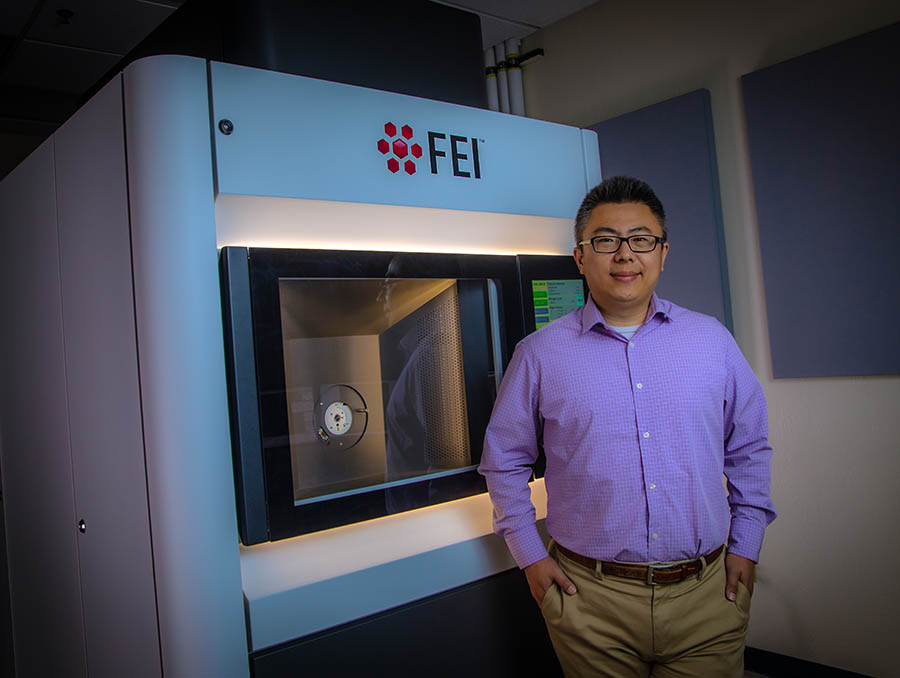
(490, 76)
(514, 77)
(502, 82)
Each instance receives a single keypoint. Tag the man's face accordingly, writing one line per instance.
(622, 282)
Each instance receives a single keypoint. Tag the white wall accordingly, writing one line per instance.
(826, 590)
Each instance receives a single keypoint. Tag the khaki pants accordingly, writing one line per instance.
(623, 628)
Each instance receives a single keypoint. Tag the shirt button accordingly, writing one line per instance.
(631, 343)
(655, 536)
(640, 386)
(646, 434)
(652, 486)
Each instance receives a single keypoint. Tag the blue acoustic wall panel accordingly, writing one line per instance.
(825, 150)
(670, 146)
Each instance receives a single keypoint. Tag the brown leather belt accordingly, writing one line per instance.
(650, 574)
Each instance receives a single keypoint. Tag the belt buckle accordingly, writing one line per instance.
(650, 569)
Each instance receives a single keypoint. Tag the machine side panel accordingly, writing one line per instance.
(181, 363)
(37, 465)
(103, 392)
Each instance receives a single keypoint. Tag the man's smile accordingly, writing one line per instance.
(625, 276)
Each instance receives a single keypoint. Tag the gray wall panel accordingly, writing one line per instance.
(37, 467)
(104, 399)
(825, 148)
(670, 146)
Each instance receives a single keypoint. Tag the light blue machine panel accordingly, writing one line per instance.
(291, 136)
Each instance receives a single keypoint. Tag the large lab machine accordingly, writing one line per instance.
(326, 281)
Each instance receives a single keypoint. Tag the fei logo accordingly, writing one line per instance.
(399, 147)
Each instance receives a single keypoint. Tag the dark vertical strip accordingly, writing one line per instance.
(212, 130)
(137, 358)
(243, 396)
(62, 324)
(717, 211)
(474, 325)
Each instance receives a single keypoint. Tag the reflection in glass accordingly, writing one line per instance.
(376, 382)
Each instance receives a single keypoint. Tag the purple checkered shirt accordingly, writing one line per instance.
(637, 436)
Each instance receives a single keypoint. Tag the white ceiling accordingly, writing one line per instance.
(53, 51)
(502, 19)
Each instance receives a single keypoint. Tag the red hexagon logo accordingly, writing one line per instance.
(400, 148)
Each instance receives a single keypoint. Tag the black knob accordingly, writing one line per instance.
(226, 126)
(82, 526)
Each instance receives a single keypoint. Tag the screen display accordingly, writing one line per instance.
(555, 298)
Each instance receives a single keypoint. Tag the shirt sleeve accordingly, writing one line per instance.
(748, 456)
(510, 447)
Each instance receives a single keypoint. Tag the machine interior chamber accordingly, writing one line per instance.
(376, 374)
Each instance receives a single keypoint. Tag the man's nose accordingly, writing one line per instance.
(624, 253)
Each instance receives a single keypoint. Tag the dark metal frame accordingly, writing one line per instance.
(255, 369)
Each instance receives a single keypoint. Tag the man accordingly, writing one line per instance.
(640, 406)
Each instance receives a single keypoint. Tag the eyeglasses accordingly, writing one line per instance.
(609, 244)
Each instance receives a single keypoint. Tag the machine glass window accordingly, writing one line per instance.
(379, 374)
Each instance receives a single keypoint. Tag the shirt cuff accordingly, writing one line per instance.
(746, 538)
(526, 546)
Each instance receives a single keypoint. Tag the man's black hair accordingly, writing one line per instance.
(619, 189)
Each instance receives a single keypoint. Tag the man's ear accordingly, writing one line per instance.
(579, 258)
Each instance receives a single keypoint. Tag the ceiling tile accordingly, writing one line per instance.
(497, 30)
(61, 69)
(13, 15)
(106, 25)
(536, 13)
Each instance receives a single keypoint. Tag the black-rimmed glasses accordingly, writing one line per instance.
(609, 244)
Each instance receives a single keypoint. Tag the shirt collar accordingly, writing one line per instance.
(591, 315)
